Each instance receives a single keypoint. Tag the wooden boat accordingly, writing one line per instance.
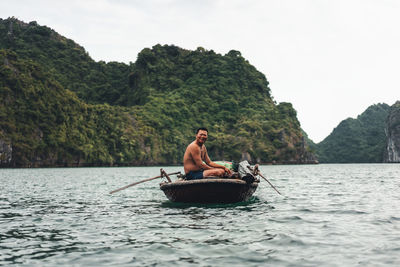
(209, 190)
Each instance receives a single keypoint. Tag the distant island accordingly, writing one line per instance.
(372, 137)
(61, 108)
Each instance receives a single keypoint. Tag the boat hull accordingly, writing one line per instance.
(209, 190)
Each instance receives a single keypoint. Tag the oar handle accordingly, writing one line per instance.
(129, 185)
(145, 180)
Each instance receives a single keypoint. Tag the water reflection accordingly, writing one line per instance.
(178, 205)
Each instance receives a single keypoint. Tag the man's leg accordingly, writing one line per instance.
(193, 175)
(214, 172)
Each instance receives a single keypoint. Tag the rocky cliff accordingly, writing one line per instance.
(392, 152)
(5, 152)
(357, 140)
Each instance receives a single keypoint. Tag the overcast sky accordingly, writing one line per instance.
(330, 59)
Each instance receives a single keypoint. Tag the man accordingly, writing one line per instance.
(196, 162)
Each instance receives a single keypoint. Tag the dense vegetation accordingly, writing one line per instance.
(48, 125)
(68, 63)
(360, 140)
(59, 107)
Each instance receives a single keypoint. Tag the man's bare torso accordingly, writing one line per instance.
(188, 162)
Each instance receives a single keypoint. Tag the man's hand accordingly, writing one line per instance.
(228, 171)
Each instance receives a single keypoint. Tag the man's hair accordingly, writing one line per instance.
(202, 129)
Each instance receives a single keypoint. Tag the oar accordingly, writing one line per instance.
(257, 172)
(269, 183)
(145, 180)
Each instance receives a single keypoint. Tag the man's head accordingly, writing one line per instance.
(201, 129)
(201, 135)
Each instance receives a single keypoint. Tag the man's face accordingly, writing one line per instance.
(201, 136)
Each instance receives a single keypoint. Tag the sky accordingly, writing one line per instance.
(330, 59)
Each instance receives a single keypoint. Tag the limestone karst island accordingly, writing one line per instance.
(59, 107)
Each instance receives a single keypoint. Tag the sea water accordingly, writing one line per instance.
(329, 215)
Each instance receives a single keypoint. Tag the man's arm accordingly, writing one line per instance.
(213, 164)
(196, 156)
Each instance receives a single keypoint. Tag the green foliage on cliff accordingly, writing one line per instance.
(360, 140)
(59, 107)
(48, 125)
(68, 62)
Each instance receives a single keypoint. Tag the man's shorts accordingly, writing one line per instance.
(194, 175)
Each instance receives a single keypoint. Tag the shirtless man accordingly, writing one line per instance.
(196, 155)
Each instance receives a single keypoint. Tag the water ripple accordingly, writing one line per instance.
(331, 215)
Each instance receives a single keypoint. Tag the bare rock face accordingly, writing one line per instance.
(5, 153)
(392, 152)
(306, 156)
